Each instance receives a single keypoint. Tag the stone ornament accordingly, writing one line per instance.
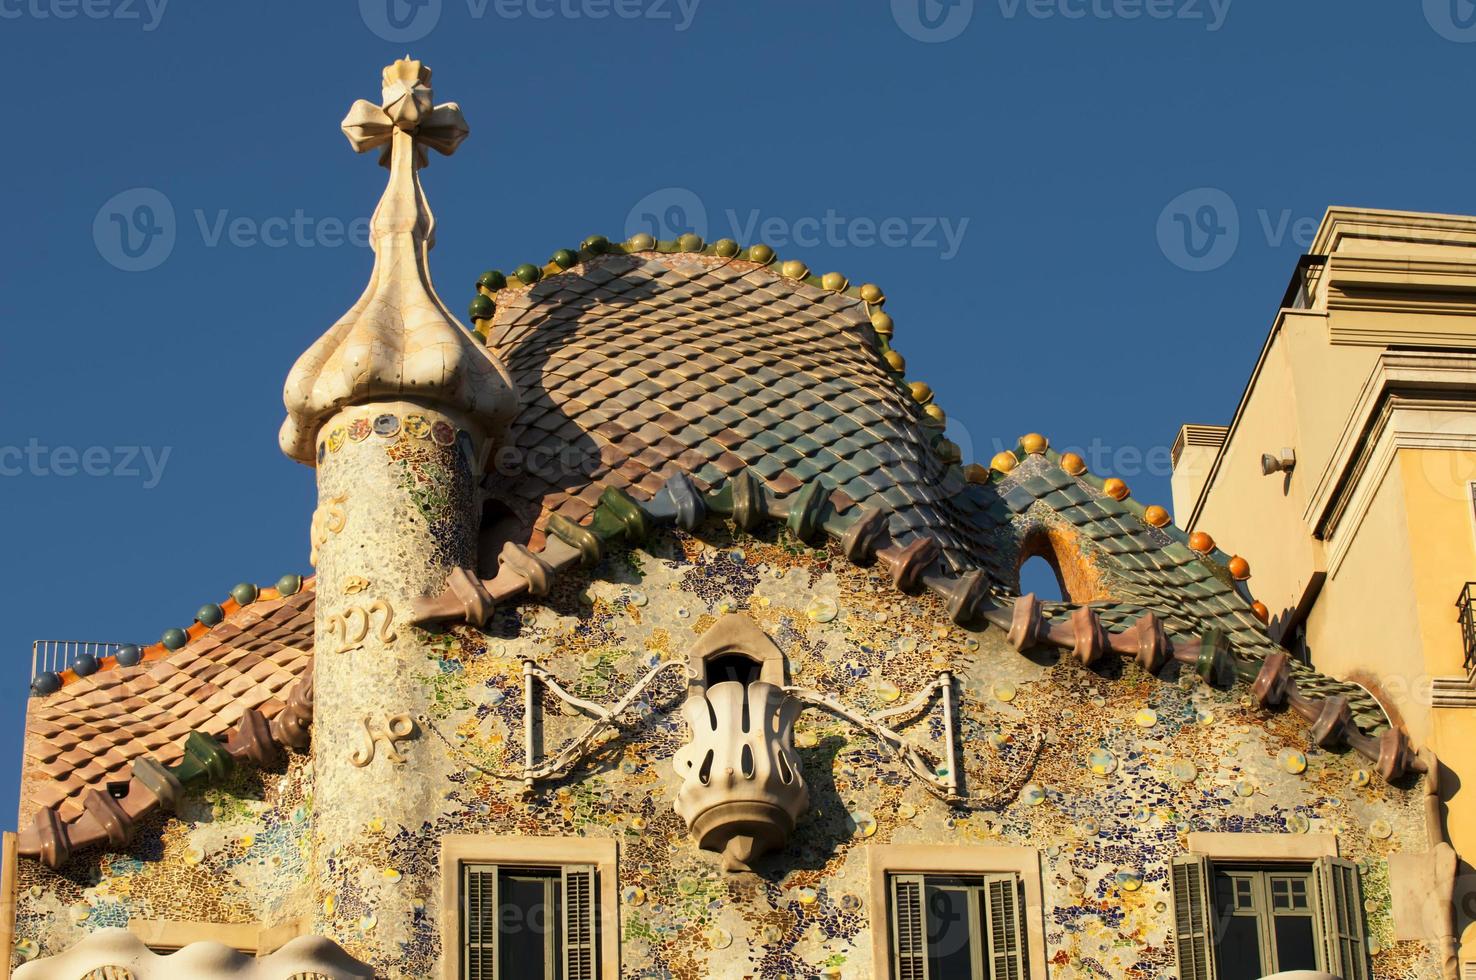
(742, 790)
(391, 731)
(118, 950)
(399, 340)
(329, 519)
(351, 627)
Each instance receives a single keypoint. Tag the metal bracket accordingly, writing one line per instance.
(945, 784)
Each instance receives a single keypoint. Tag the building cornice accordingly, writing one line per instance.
(1396, 409)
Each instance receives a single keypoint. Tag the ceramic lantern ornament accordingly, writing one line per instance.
(742, 790)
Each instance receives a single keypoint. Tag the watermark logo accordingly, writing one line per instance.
(135, 230)
(1454, 20)
(1211, 13)
(674, 211)
(933, 21)
(412, 20)
(1199, 230)
(667, 213)
(146, 13)
(35, 459)
(400, 21)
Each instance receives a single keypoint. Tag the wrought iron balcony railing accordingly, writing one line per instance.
(1467, 617)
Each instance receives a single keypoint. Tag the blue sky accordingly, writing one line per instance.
(1084, 214)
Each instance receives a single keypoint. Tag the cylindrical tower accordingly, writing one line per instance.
(396, 406)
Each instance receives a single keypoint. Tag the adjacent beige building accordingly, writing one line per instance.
(1359, 520)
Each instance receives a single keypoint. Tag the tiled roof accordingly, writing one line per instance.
(89, 733)
(648, 364)
(660, 383)
(1154, 570)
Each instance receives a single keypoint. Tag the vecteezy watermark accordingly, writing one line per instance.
(134, 230)
(1454, 20)
(933, 21)
(1125, 462)
(675, 211)
(66, 462)
(1199, 230)
(1211, 13)
(147, 13)
(411, 20)
(137, 230)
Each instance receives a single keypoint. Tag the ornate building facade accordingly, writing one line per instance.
(657, 631)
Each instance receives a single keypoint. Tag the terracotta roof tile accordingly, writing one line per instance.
(88, 733)
(652, 364)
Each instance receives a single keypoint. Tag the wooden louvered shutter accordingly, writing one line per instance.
(909, 937)
(580, 954)
(1006, 927)
(1344, 940)
(1194, 918)
(479, 922)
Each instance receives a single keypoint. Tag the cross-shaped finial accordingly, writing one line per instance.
(398, 340)
(407, 107)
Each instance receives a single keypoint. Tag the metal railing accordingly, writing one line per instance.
(58, 655)
(1467, 616)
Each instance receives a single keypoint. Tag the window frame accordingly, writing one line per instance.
(459, 850)
(886, 861)
(1267, 853)
(1259, 875)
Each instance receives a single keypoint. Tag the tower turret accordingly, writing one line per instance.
(396, 406)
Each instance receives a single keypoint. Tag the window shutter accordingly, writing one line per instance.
(580, 956)
(1006, 925)
(479, 919)
(909, 939)
(1344, 941)
(1194, 935)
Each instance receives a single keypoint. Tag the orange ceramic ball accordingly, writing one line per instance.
(1262, 613)
(1073, 464)
(1115, 489)
(922, 392)
(975, 473)
(1034, 443)
(1240, 568)
(1004, 462)
(1201, 543)
(1157, 516)
(895, 361)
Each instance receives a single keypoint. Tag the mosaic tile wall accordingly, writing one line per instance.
(1131, 764)
(237, 853)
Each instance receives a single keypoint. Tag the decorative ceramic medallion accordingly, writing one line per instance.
(1292, 761)
(822, 610)
(417, 427)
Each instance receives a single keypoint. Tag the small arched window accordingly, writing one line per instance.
(1039, 576)
(735, 649)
